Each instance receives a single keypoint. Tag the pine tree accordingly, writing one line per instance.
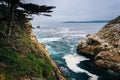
(12, 10)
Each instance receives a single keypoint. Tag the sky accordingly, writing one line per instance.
(79, 10)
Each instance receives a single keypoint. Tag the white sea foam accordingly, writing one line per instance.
(36, 30)
(48, 47)
(77, 35)
(72, 61)
(63, 30)
(49, 39)
(71, 33)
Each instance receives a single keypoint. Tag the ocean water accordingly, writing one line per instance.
(61, 40)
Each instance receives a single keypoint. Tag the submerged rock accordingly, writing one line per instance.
(38, 26)
(103, 46)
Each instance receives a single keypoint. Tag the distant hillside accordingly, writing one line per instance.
(95, 21)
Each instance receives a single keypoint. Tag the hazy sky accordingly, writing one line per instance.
(67, 10)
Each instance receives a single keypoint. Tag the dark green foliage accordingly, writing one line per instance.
(28, 8)
(15, 67)
(36, 9)
(16, 11)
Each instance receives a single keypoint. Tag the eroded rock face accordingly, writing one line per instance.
(109, 59)
(104, 46)
(93, 45)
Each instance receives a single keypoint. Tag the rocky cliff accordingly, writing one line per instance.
(22, 57)
(104, 46)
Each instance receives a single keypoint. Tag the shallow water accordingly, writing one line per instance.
(61, 40)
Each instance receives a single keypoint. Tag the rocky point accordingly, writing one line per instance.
(104, 46)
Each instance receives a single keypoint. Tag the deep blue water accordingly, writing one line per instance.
(61, 40)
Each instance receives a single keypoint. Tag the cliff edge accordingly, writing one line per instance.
(104, 46)
(22, 57)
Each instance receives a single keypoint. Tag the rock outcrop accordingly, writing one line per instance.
(104, 46)
(22, 57)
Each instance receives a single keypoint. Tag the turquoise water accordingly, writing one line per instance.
(61, 40)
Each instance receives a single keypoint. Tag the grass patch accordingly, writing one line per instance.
(16, 67)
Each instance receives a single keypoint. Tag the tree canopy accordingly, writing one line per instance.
(14, 7)
(17, 11)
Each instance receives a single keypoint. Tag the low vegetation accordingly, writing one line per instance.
(15, 67)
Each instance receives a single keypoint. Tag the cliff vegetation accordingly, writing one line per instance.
(22, 57)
